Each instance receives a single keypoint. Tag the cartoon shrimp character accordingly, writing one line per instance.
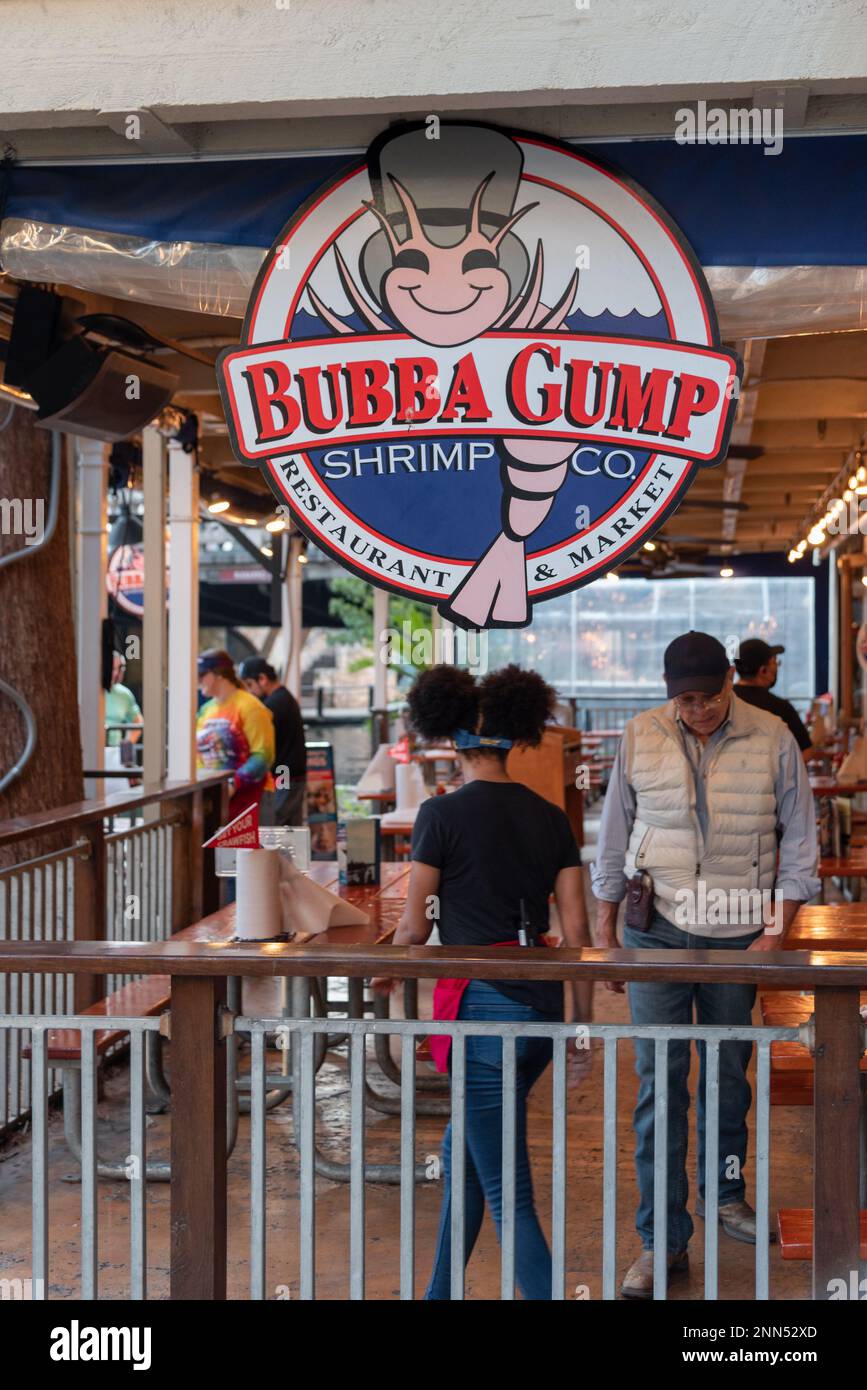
(446, 272)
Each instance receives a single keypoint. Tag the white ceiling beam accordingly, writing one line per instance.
(145, 132)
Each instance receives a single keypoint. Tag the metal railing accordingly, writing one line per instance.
(304, 1034)
(140, 881)
(139, 884)
(204, 1034)
(36, 904)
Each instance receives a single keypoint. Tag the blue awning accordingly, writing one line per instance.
(737, 204)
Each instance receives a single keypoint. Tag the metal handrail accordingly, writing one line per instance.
(82, 849)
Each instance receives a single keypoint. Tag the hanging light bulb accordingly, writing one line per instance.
(726, 573)
(219, 506)
(275, 525)
(816, 536)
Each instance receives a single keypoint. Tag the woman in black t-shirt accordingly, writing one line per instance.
(486, 859)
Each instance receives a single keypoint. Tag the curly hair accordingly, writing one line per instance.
(516, 704)
(509, 703)
(443, 700)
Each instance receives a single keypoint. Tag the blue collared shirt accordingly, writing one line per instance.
(796, 819)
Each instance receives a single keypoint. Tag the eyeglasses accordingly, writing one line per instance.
(697, 704)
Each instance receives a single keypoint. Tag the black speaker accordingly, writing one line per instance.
(97, 392)
(35, 326)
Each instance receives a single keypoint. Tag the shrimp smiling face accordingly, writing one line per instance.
(446, 294)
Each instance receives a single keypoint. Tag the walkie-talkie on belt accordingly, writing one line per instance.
(526, 934)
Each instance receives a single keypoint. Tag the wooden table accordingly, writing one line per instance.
(830, 786)
(837, 927)
(383, 902)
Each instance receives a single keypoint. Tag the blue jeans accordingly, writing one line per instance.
(484, 1145)
(673, 1003)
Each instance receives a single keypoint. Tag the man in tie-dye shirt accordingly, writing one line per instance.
(234, 731)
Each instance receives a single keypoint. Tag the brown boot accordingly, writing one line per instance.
(638, 1280)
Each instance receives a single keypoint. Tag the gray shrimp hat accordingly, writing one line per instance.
(441, 176)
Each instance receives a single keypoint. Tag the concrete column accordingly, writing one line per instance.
(154, 615)
(91, 476)
(183, 613)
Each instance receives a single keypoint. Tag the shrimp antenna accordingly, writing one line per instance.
(507, 226)
(415, 229)
(521, 313)
(385, 224)
(476, 206)
(557, 315)
(371, 318)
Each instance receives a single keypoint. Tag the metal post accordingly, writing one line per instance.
(293, 614)
(379, 713)
(154, 611)
(183, 613)
(91, 562)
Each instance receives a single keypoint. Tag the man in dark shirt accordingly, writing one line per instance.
(290, 761)
(757, 666)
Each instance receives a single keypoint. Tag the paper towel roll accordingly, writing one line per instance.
(409, 786)
(258, 913)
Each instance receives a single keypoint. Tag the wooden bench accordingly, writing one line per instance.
(792, 1073)
(139, 999)
(792, 1067)
(795, 1226)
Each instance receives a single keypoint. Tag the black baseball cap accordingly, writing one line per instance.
(695, 661)
(753, 654)
(252, 667)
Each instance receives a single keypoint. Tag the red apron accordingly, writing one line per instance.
(447, 1002)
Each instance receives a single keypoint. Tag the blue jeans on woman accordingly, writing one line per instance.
(673, 1003)
(483, 1163)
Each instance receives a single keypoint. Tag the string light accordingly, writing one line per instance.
(220, 506)
(275, 525)
(726, 573)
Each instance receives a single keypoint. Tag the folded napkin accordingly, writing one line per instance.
(854, 765)
(378, 776)
(308, 907)
(405, 817)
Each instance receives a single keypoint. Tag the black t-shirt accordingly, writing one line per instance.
(494, 844)
(764, 699)
(288, 733)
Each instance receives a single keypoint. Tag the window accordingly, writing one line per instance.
(606, 641)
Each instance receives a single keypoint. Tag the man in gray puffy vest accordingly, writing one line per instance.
(709, 821)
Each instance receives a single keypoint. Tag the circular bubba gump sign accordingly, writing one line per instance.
(481, 368)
